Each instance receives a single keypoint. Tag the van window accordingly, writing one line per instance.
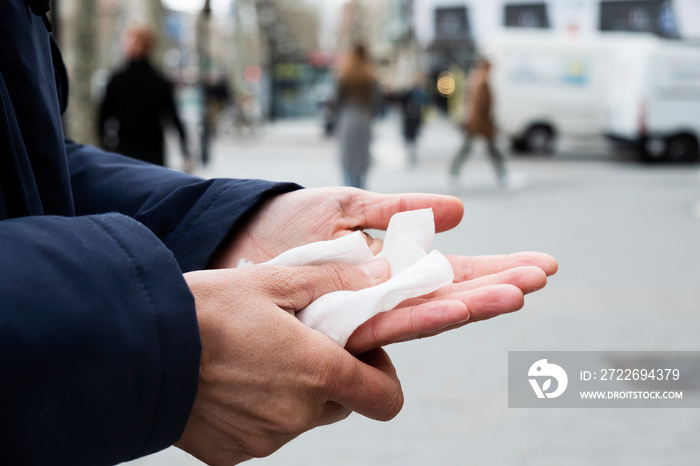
(650, 16)
(527, 15)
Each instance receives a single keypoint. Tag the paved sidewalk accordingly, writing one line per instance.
(628, 242)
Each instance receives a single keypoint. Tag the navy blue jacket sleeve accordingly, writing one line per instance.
(192, 216)
(99, 343)
(99, 347)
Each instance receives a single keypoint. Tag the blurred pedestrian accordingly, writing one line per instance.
(218, 95)
(137, 102)
(357, 102)
(479, 123)
(413, 103)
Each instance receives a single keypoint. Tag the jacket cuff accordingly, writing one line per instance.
(175, 331)
(226, 206)
(98, 338)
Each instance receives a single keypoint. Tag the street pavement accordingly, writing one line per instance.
(627, 237)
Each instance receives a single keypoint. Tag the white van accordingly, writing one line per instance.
(546, 84)
(654, 99)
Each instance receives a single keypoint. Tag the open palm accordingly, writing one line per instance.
(484, 287)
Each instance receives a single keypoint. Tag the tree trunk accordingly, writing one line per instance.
(82, 114)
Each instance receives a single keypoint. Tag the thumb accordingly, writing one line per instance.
(369, 386)
(297, 287)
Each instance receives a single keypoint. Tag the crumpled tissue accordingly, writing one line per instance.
(414, 273)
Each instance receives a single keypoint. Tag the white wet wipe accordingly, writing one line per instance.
(414, 273)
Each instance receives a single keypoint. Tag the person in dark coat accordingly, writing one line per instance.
(137, 102)
(479, 123)
(413, 102)
(124, 328)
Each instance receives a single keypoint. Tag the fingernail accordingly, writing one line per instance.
(376, 269)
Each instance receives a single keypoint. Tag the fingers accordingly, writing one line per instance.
(372, 210)
(527, 278)
(406, 323)
(375, 244)
(468, 268)
(429, 318)
(369, 386)
(491, 301)
(450, 307)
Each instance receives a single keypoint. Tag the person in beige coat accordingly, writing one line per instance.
(479, 123)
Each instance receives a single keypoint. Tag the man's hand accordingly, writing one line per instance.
(309, 215)
(484, 286)
(265, 378)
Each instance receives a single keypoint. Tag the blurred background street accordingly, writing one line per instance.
(597, 110)
(627, 236)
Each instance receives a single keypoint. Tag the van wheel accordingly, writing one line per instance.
(682, 149)
(518, 146)
(539, 139)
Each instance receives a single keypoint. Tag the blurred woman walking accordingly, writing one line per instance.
(357, 98)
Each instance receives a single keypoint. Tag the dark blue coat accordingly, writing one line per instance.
(99, 345)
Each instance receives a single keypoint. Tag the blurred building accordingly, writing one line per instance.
(278, 57)
(267, 51)
(295, 68)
